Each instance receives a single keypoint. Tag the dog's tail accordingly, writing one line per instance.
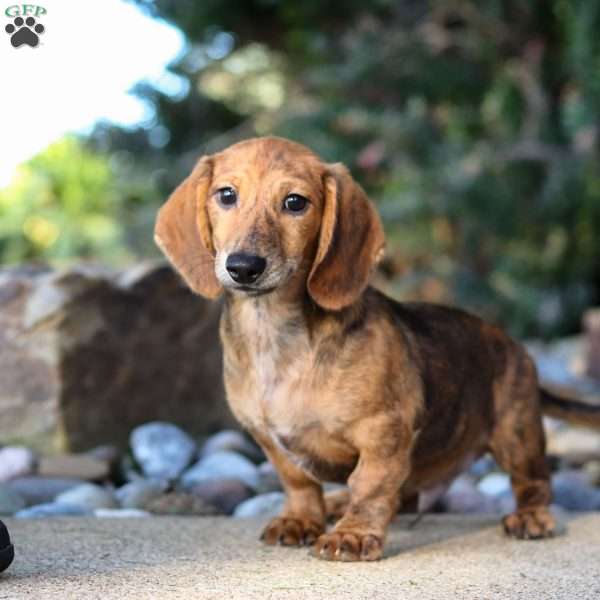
(572, 411)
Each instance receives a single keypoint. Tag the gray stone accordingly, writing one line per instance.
(224, 494)
(431, 497)
(235, 441)
(482, 466)
(73, 466)
(10, 501)
(265, 505)
(268, 478)
(572, 491)
(592, 472)
(180, 503)
(222, 465)
(107, 453)
(87, 354)
(57, 290)
(463, 497)
(129, 469)
(505, 503)
(53, 509)
(29, 390)
(494, 484)
(41, 490)
(138, 493)
(575, 444)
(162, 449)
(330, 486)
(120, 513)
(16, 461)
(46, 300)
(561, 366)
(88, 496)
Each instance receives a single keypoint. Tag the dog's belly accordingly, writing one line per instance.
(437, 461)
(322, 460)
(297, 430)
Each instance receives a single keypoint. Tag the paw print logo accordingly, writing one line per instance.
(24, 32)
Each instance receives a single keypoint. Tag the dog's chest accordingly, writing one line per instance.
(277, 388)
(268, 371)
(274, 388)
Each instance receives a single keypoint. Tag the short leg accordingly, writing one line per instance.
(518, 444)
(529, 478)
(374, 498)
(302, 520)
(336, 503)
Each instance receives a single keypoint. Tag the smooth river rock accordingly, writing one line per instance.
(162, 450)
(222, 465)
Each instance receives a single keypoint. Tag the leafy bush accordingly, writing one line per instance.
(69, 201)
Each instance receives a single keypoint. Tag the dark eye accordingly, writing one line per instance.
(226, 197)
(295, 203)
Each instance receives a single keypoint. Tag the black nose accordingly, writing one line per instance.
(245, 268)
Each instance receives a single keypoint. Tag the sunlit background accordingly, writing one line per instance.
(87, 62)
(473, 125)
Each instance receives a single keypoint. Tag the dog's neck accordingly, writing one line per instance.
(253, 316)
(273, 320)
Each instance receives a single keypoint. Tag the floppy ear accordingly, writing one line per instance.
(182, 231)
(351, 242)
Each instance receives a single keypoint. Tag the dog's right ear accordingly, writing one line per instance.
(182, 231)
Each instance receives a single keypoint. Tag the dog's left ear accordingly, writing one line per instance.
(351, 242)
(183, 231)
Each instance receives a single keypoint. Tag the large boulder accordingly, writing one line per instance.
(87, 354)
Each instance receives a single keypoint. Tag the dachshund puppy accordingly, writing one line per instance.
(333, 379)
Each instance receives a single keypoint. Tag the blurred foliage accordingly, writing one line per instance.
(71, 201)
(473, 125)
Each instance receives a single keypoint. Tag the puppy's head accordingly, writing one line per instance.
(267, 215)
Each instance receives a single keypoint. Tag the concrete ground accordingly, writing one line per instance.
(443, 557)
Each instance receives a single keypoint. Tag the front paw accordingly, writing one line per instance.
(348, 546)
(289, 531)
(531, 524)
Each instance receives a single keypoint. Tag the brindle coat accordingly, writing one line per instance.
(333, 379)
